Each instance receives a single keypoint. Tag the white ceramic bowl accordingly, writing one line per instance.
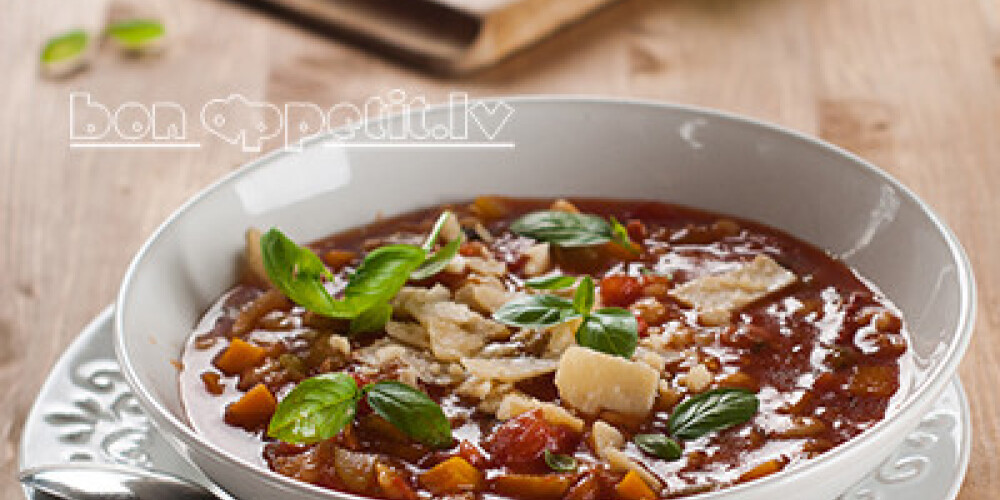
(563, 147)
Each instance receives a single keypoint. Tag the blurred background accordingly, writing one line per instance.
(912, 86)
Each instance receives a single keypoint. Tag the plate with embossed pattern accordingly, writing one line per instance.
(85, 412)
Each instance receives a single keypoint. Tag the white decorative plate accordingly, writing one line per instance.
(85, 412)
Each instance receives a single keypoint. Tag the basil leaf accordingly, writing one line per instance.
(563, 228)
(65, 47)
(372, 319)
(136, 34)
(559, 462)
(436, 230)
(712, 411)
(316, 409)
(299, 273)
(610, 330)
(554, 282)
(583, 299)
(619, 235)
(437, 262)
(411, 411)
(535, 311)
(658, 445)
(381, 274)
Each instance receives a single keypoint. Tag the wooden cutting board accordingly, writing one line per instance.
(446, 36)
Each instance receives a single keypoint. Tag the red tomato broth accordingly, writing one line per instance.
(821, 355)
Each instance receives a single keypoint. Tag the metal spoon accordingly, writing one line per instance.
(109, 482)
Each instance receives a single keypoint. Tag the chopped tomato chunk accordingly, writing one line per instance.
(522, 441)
(620, 290)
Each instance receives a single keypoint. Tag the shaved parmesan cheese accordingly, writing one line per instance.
(486, 267)
(538, 260)
(451, 229)
(513, 405)
(485, 295)
(734, 289)
(605, 437)
(698, 378)
(607, 442)
(561, 337)
(592, 381)
(408, 333)
(451, 342)
(509, 369)
(621, 462)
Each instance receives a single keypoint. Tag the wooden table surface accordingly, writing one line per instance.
(912, 86)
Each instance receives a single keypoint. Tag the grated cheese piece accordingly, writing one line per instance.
(509, 369)
(591, 381)
(513, 405)
(725, 292)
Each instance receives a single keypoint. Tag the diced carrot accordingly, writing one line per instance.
(454, 475)
(632, 487)
(489, 207)
(394, 484)
(213, 383)
(253, 410)
(761, 470)
(239, 356)
(532, 486)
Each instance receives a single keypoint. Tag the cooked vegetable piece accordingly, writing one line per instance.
(239, 356)
(591, 381)
(632, 487)
(253, 410)
(454, 475)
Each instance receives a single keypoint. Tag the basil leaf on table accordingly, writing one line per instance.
(136, 34)
(563, 228)
(658, 445)
(65, 47)
(316, 409)
(438, 261)
(555, 282)
(535, 311)
(610, 330)
(583, 299)
(299, 274)
(411, 411)
(559, 462)
(711, 411)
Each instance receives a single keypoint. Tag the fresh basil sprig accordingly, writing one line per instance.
(137, 34)
(411, 411)
(440, 259)
(610, 330)
(567, 229)
(536, 311)
(65, 47)
(658, 445)
(317, 409)
(711, 411)
(320, 407)
(554, 282)
(301, 275)
(559, 462)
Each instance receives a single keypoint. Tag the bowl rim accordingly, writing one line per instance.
(930, 387)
